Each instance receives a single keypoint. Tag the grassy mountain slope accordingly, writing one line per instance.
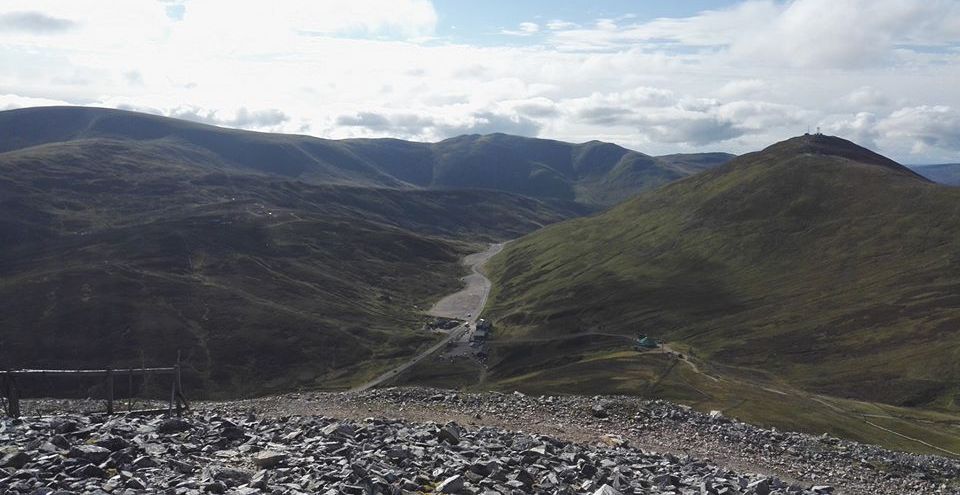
(944, 173)
(290, 156)
(594, 173)
(814, 263)
(120, 252)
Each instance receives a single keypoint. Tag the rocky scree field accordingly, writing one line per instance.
(284, 445)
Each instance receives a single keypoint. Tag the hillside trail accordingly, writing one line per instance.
(465, 304)
(688, 361)
(557, 338)
(663, 349)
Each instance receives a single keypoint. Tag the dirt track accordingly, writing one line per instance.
(464, 304)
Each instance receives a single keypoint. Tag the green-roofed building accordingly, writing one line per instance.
(644, 342)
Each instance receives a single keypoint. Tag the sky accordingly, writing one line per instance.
(655, 76)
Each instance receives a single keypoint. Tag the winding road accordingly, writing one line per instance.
(465, 304)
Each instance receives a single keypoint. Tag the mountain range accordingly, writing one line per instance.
(593, 173)
(944, 173)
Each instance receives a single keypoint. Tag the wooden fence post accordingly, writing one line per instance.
(178, 381)
(109, 391)
(173, 395)
(173, 389)
(13, 397)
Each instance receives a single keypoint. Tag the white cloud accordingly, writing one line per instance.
(10, 102)
(861, 128)
(264, 27)
(608, 25)
(799, 33)
(247, 119)
(557, 24)
(34, 23)
(743, 88)
(661, 116)
(914, 134)
(865, 98)
(529, 27)
(718, 27)
(536, 107)
(734, 79)
(760, 115)
(433, 127)
(694, 128)
(855, 33)
(925, 126)
(407, 17)
(641, 97)
(523, 29)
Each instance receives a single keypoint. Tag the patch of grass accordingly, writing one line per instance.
(436, 371)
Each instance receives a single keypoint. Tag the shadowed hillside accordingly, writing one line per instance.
(814, 262)
(119, 252)
(592, 173)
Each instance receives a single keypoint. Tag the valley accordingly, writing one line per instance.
(120, 252)
(129, 237)
(333, 284)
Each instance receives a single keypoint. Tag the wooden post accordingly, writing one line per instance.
(109, 391)
(176, 385)
(173, 388)
(13, 397)
(143, 389)
(173, 394)
(181, 398)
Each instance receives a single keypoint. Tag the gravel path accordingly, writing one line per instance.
(657, 426)
(467, 303)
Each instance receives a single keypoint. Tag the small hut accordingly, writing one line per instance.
(482, 331)
(644, 342)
